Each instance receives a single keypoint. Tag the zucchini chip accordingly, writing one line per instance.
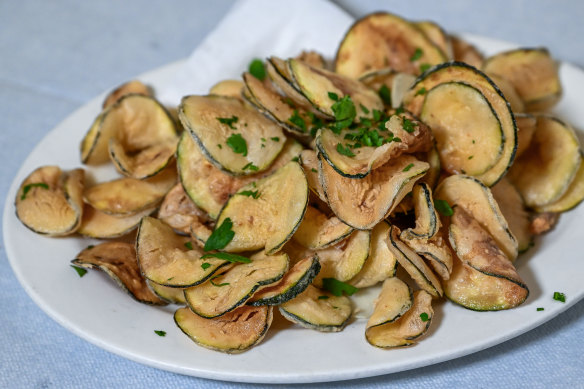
(229, 88)
(433, 175)
(458, 72)
(513, 209)
(231, 289)
(231, 134)
(546, 170)
(50, 201)
(476, 199)
(526, 125)
(364, 202)
(400, 85)
(118, 260)
(209, 187)
(168, 294)
(406, 329)
(467, 130)
(437, 35)
(294, 282)
(232, 333)
(366, 158)
(413, 264)
(381, 40)
(572, 197)
(309, 162)
(312, 58)
(393, 301)
(510, 94)
(484, 279)
(376, 79)
(532, 72)
(179, 212)
(167, 259)
(317, 85)
(318, 310)
(130, 87)
(462, 51)
(435, 251)
(99, 225)
(427, 220)
(381, 263)
(270, 214)
(128, 196)
(318, 231)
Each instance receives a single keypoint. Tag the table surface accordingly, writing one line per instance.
(55, 56)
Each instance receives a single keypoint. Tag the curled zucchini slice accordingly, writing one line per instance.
(231, 289)
(513, 209)
(165, 258)
(143, 163)
(484, 279)
(413, 264)
(364, 202)
(130, 87)
(458, 72)
(118, 260)
(381, 263)
(128, 196)
(309, 162)
(179, 212)
(367, 158)
(462, 51)
(229, 88)
(468, 132)
(381, 40)
(230, 134)
(318, 231)
(476, 199)
(526, 125)
(532, 72)
(294, 282)
(96, 224)
(271, 218)
(406, 329)
(168, 294)
(572, 197)
(546, 170)
(427, 220)
(232, 333)
(318, 310)
(317, 84)
(394, 300)
(49, 201)
(435, 251)
(510, 94)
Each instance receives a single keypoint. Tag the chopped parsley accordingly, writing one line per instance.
(471, 157)
(316, 123)
(297, 120)
(221, 236)
(345, 113)
(169, 278)
(474, 141)
(160, 333)
(364, 109)
(251, 167)
(275, 139)
(250, 193)
(295, 159)
(219, 145)
(263, 139)
(337, 287)
(257, 69)
(28, 187)
(424, 316)
(333, 96)
(344, 150)
(237, 144)
(443, 207)
(421, 91)
(539, 309)
(407, 168)
(90, 247)
(189, 245)
(377, 115)
(205, 265)
(385, 94)
(227, 257)
(80, 271)
(424, 67)
(417, 55)
(560, 297)
(323, 297)
(229, 121)
(314, 170)
(408, 125)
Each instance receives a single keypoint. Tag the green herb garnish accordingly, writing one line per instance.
(424, 316)
(385, 94)
(424, 67)
(560, 297)
(345, 113)
(160, 333)
(421, 91)
(408, 125)
(344, 150)
(400, 110)
(227, 257)
(249, 193)
(237, 144)
(337, 287)
(443, 207)
(218, 145)
(364, 109)
(275, 139)
(90, 247)
(333, 96)
(407, 168)
(539, 309)
(417, 55)
(257, 69)
(80, 271)
(323, 297)
(295, 159)
(471, 157)
(189, 245)
(314, 170)
(251, 167)
(205, 265)
(297, 120)
(229, 121)
(221, 236)
(28, 187)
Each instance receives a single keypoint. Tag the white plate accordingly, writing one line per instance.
(94, 308)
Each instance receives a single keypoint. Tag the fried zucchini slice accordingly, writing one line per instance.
(209, 187)
(118, 261)
(484, 279)
(394, 300)
(318, 310)
(99, 225)
(179, 212)
(271, 219)
(231, 289)
(229, 88)
(294, 282)
(462, 73)
(381, 40)
(232, 333)
(573, 195)
(234, 145)
(130, 87)
(381, 263)
(164, 257)
(476, 199)
(435, 251)
(544, 173)
(513, 209)
(467, 130)
(317, 85)
(413, 264)
(364, 202)
(312, 58)
(427, 220)
(318, 231)
(50, 201)
(510, 94)
(526, 125)
(368, 158)
(309, 162)
(437, 35)
(433, 175)
(405, 330)
(127, 196)
(462, 51)
(168, 294)
(533, 73)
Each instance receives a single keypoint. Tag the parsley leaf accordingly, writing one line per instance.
(237, 144)
(229, 121)
(344, 150)
(227, 257)
(323, 297)
(560, 297)
(314, 170)
(275, 139)
(364, 109)
(297, 120)
(421, 91)
(337, 287)
(80, 271)
(424, 316)
(385, 94)
(160, 333)
(407, 168)
(400, 110)
(295, 159)
(443, 207)
(539, 309)
(417, 55)
(189, 245)
(333, 96)
(251, 167)
(221, 236)
(257, 69)
(255, 194)
(345, 112)
(424, 67)
(28, 187)
(205, 265)
(408, 125)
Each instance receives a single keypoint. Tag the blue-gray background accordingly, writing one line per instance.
(56, 55)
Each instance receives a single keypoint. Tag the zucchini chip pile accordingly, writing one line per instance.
(409, 163)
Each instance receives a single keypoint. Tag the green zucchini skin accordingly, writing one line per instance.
(304, 323)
